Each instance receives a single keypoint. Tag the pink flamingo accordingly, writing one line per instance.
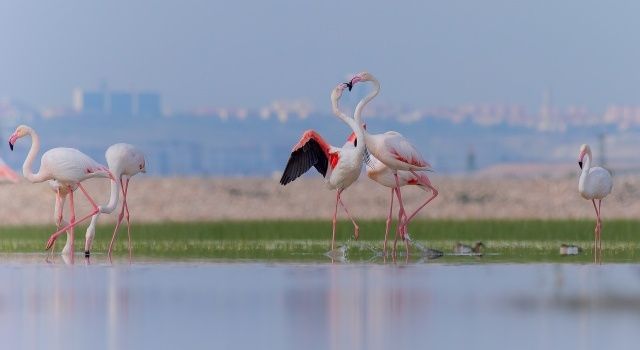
(595, 183)
(380, 173)
(68, 166)
(391, 149)
(340, 167)
(124, 161)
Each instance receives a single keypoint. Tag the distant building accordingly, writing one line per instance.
(149, 104)
(121, 104)
(92, 102)
(117, 103)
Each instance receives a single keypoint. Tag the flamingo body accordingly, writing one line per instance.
(395, 151)
(340, 166)
(597, 184)
(124, 161)
(69, 166)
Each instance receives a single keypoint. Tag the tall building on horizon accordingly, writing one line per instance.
(117, 103)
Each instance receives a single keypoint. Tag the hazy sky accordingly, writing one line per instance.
(247, 53)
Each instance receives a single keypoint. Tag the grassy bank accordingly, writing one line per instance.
(512, 241)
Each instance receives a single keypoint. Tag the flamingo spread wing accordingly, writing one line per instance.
(310, 151)
(404, 151)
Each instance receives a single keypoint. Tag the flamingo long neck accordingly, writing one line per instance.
(28, 162)
(585, 170)
(113, 196)
(358, 112)
(356, 127)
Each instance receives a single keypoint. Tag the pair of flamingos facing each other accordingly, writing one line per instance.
(392, 161)
(65, 169)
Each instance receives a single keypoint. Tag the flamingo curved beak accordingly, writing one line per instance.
(12, 141)
(580, 164)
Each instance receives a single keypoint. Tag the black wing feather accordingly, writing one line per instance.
(302, 159)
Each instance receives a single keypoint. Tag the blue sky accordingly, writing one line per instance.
(248, 53)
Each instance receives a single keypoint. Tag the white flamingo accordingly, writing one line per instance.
(392, 149)
(380, 173)
(124, 161)
(66, 165)
(595, 183)
(340, 167)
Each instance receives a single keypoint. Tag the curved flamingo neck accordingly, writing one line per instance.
(356, 127)
(28, 162)
(358, 112)
(585, 170)
(113, 196)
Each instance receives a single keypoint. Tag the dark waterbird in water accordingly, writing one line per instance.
(460, 248)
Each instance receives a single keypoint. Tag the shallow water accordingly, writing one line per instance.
(316, 306)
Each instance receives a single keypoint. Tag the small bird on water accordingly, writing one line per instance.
(460, 248)
(567, 249)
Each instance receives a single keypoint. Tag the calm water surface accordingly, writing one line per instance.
(166, 305)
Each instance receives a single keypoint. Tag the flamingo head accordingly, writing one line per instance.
(584, 150)
(337, 91)
(143, 166)
(21, 131)
(360, 77)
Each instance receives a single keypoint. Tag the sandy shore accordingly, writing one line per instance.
(188, 199)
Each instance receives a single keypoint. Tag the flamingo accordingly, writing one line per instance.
(595, 183)
(391, 149)
(68, 166)
(380, 173)
(124, 161)
(340, 167)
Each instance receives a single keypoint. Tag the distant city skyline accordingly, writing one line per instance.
(248, 54)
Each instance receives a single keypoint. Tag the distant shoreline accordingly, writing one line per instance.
(212, 199)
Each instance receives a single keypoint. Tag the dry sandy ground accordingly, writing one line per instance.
(188, 199)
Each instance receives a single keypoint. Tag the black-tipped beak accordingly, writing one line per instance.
(349, 85)
(580, 164)
(10, 145)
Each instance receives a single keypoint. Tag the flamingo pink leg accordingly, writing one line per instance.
(386, 231)
(115, 231)
(596, 232)
(118, 222)
(74, 222)
(126, 207)
(72, 219)
(433, 196)
(600, 225)
(356, 229)
(402, 215)
(335, 214)
(58, 218)
(399, 194)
